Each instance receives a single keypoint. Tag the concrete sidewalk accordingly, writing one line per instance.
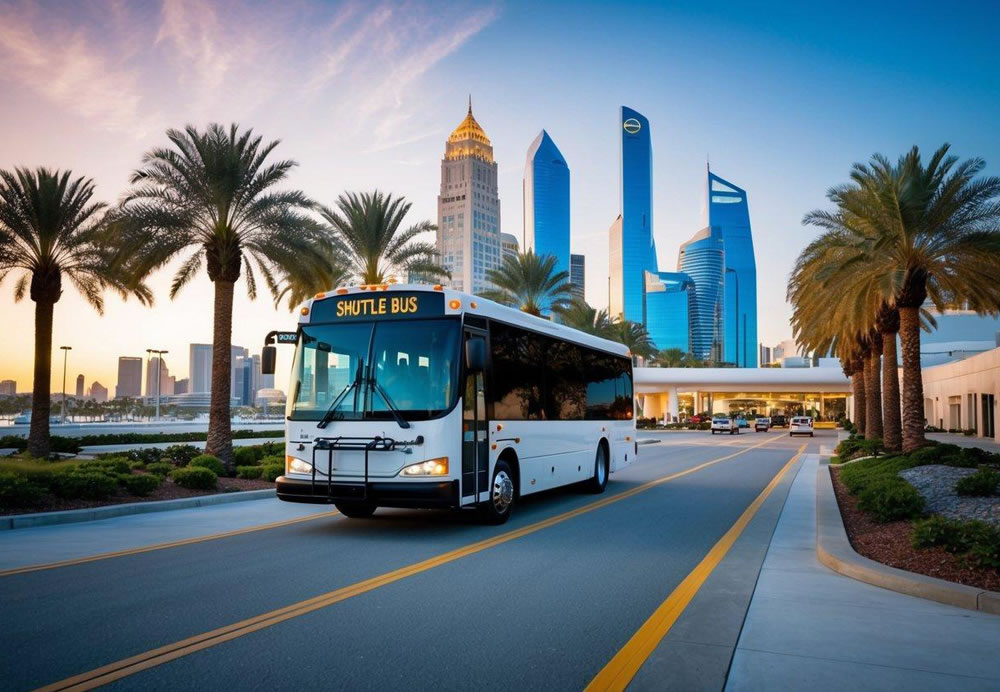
(966, 441)
(810, 628)
(44, 544)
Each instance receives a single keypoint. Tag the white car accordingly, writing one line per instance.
(801, 425)
(722, 425)
(762, 424)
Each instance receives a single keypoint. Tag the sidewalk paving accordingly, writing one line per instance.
(810, 628)
(44, 544)
(966, 441)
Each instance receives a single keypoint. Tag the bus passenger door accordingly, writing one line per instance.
(475, 439)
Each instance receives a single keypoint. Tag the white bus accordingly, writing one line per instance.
(409, 395)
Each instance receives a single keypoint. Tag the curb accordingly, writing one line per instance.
(72, 516)
(834, 550)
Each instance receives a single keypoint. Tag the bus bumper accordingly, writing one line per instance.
(426, 494)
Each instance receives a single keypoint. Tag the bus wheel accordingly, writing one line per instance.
(496, 510)
(356, 510)
(599, 480)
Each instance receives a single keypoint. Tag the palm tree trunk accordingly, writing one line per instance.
(220, 434)
(39, 441)
(892, 424)
(873, 393)
(913, 385)
(860, 410)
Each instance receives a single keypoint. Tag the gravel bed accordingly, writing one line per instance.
(937, 484)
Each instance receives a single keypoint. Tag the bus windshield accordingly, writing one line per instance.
(412, 362)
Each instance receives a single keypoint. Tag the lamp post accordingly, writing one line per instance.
(733, 272)
(159, 369)
(65, 350)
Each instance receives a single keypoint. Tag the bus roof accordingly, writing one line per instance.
(457, 303)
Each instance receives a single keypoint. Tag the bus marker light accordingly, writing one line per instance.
(438, 287)
(341, 291)
(517, 440)
(320, 296)
(499, 427)
(304, 310)
(473, 305)
(454, 304)
(494, 445)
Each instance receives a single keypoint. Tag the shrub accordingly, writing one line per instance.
(194, 478)
(970, 432)
(137, 465)
(160, 468)
(84, 484)
(17, 491)
(977, 457)
(947, 454)
(245, 456)
(141, 484)
(891, 499)
(107, 464)
(273, 459)
(978, 541)
(982, 483)
(250, 472)
(181, 455)
(270, 472)
(207, 461)
(271, 448)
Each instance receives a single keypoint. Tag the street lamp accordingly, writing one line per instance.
(733, 272)
(65, 350)
(159, 369)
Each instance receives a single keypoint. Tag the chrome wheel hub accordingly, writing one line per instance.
(503, 492)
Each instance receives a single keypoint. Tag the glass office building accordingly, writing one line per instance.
(636, 252)
(546, 201)
(670, 298)
(577, 274)
(729, 212)
(703, 260)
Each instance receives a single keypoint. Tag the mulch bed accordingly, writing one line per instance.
(168, 490)
(890, 544)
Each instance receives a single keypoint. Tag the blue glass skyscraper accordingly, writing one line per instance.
(702, 258)
(546, 201)
(636, 253)
(670, 298)
(729, 212)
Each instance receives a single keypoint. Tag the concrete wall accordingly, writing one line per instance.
(948, 387)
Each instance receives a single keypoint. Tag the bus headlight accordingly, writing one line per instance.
(431, 467)
(294, 465)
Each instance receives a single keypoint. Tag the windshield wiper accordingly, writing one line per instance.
(402, 422)
(332, 412)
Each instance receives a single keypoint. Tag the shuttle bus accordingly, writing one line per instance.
(405, 395)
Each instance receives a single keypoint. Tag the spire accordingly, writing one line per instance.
(470, 104)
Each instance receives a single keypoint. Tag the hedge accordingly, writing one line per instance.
(161, 468)
(141, 484)
(86, 484)
(271, 472)
(982, 483)
(194, 478)
(73, 444)
(978, 541)
(18, 491)
(207, 461)
(249, 472)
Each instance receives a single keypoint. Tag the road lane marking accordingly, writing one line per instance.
(161, 546)
(149, 659)
(620, 670)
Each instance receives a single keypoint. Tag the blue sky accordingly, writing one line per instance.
(781, 97)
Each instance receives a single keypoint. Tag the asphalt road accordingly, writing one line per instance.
(546, 602)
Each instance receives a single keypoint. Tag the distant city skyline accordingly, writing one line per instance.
(92, 87)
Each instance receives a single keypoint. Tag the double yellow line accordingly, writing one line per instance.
(620, 670)
(149, 659)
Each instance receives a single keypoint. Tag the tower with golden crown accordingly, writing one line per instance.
(468, 236)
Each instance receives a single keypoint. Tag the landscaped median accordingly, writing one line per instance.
(176, 472)
(928, 521)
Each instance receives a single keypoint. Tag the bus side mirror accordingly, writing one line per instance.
(268, 355)
(475, 354)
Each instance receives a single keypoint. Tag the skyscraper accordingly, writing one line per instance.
(577, 274)
(165, 382)
(468, 237)
(238, 371)
(97, 392)
(616, 270)
(728, 211)
(636, 248)
(79, 386)
(129, 377)
(200, 368)
(509, 246)
(670, 298)
(702, 258)
(8, 387)
(546, 201)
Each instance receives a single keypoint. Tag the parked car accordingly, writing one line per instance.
(741, 422)
(694, 419)
(779, 421)
(801, 425)
(723, 425)
(762, 424)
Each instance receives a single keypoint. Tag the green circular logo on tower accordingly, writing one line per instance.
(632, 126)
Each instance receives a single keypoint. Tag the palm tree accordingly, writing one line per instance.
(580, 315)
(51, 228)
(887, 323)
(671, 358)
(930, 231)
(531, 283)
(371, 242)
(212, 197)
(635, 337)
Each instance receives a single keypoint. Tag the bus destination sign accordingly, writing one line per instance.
(379, 305)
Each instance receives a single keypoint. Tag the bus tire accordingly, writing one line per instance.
(599, 480)
(496, 510)
(356, 510)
